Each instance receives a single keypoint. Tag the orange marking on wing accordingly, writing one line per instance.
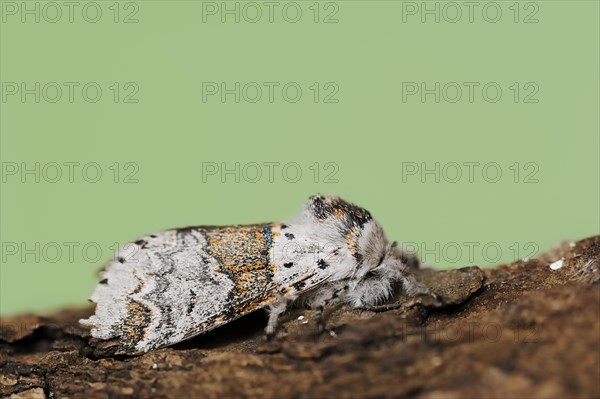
(242, 252)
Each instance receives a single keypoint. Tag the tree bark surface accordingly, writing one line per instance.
(520, 330)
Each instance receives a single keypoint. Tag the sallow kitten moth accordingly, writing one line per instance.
(169, 286)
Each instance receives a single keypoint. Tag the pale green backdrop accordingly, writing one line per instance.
(159, 127)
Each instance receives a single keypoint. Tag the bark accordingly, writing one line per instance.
(515, 330)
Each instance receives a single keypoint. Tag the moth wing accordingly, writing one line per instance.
(273, 293)
(252, 304)
(171, 286)
(308, 255)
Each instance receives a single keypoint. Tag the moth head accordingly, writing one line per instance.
(376, 283)
(374, 265)
(393, 263)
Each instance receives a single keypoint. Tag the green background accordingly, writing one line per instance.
(368, 137)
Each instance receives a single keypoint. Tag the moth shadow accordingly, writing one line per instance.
(246, 328)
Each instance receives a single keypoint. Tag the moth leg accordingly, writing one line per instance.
(382, 308)
(320, 318)
(419, 293)
(275, 310)
(391, 306)
(410, 265)
(414, 288)
(321, 301)
(410, 259)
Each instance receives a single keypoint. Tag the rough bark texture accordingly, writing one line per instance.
(518, 330)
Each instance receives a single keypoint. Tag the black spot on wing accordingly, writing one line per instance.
(166, 324)
(358, 257)
(192, 303)
(290, 236)
(322, 264)
(299, 285)
(142, 243)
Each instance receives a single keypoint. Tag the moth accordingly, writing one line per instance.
(170, 286)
